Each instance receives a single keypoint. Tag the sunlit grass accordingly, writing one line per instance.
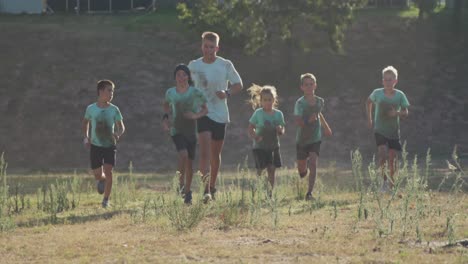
(148, 219)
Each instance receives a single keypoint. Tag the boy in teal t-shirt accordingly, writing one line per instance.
(186, 104)
(103, 116)
(390, 105)
(309, 121)
(265, 127)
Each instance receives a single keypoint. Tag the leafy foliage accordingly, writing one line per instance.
(255, 23)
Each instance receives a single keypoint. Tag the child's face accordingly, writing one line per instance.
(107, 94)
(389, 80)
(308, 86)
(209, 48)
(181, 77)
(267, 101)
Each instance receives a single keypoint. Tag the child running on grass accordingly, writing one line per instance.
(390, 105)
(102, 116)
(265, 125)
(186, 104)
(309, 121)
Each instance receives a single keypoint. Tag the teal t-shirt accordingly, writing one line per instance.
(190, 101)
(384, 124)
(311, 132)
(265, 126)
(102, 124)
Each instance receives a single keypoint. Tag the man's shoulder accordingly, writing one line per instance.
(195, 62)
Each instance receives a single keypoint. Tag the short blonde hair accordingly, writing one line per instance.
(308, 75)
(390, 69)
(211, 36)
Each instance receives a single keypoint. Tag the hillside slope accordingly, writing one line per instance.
(48, 72)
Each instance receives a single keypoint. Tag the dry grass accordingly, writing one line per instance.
(305, 233)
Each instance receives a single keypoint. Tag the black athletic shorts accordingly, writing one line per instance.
(184, 143)
(391, 143)
(264, 158)
(217, 130)
(302, 151)
(102, 155)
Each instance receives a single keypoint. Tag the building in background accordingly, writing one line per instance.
(22, 6)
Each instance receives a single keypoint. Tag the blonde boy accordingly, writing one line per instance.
(390, 104)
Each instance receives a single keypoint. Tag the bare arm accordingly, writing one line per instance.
(85, 131)
(328, 131)
(236, 88)
(298, 121)
(403, 112)
(166, 107)
(165, 120)
(280, 130)
(120, 130)
(233, 89)
(203, 111)
(369, 105)
(252, 133)
(251, 130)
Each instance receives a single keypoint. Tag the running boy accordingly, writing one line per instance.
(265, 125)
(102, 116)
(186, 104)
(390, 105)
(309, 120)
(218, 79)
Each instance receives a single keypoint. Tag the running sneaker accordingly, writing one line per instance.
(101, 186)
(188, 198)
(105, 203)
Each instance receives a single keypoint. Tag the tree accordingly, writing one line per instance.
(256, 22)
(426, 7)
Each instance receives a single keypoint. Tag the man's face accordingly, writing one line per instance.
(209, 48)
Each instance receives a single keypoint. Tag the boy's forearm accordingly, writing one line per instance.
(203, 111)
(251, 131)
(166, 108)
(369, 111)
(403, 113)
(120, 128)
(325, 123)
(85, 128)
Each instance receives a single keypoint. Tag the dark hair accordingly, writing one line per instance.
(183, 67)
(102, 84)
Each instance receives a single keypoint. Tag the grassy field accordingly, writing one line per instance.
(350, 221)
(57, 218)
